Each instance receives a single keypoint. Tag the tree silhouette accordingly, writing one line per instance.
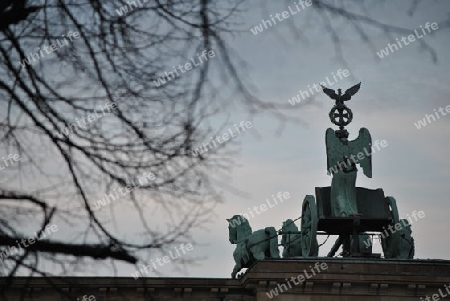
(84, 109)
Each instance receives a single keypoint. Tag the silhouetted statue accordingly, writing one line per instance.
(291, 239)
(251, 246)
(342, 156)
(339, 97)
(405, 242)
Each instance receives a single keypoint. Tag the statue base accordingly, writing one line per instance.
(347, 279)
(343, 279)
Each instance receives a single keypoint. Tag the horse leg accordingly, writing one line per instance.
(237, 255)
(236, 269)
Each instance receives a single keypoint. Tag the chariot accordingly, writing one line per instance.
(375, 214)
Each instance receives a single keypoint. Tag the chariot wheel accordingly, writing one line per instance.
(309, 227)
(391, 240)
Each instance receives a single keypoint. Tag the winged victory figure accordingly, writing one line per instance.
(342, 157)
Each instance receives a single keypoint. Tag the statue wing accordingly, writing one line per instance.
(330, 92)
(336, 150)
(350, 92)
(363, 144)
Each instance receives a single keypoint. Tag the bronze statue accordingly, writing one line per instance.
(343, 155)
(340, 114)
(404, 246)
(291, 239)
(251, 246)
(342, 209)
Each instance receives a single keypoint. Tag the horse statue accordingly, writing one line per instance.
(405, 248)
(251, 246)
(291, 239)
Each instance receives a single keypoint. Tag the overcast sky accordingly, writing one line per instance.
(395, 93)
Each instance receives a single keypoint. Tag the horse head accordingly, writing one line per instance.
(238, 228)
(288, 226)
(232, 231)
